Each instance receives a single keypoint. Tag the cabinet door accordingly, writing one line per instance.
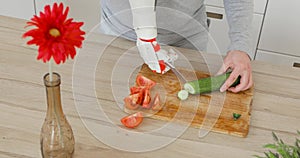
(281, 28)
(278, 59)
(219, 40)
(23, 9)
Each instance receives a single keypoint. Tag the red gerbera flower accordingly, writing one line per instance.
(55, 35)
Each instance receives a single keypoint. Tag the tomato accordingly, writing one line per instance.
(144, 81)
(134, 100)
(130, 103)
(139, 96)
(132, 120)
(156, 103)
(134, 90)
(146, 101)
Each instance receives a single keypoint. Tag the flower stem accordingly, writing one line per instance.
(50, 70)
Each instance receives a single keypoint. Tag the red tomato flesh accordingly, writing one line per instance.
(134, 90)
(146, 102)
(131, 103)
(140, 97)
(144, 81)
(156, 103)
(132, 120)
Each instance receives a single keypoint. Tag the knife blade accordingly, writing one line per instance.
(176, 72)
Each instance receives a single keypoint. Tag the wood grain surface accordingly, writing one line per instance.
(194, 110)
(275, 106)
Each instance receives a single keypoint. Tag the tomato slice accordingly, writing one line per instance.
(134, 101)
(156, 103)
(144, 81)
(132, 120)
(146, 101)
(134, 90)
(131, 102)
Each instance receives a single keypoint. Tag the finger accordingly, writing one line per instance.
(223, 69)
(250, 82)
(249, 85)
(244, 83)
(231, 79)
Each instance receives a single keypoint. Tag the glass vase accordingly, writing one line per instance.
(57, 139)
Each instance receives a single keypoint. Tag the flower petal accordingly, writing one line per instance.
(59, 47)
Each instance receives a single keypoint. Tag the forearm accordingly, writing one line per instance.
(144, 23)
(239, 15)
(144, 18)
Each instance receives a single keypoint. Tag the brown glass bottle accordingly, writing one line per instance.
(57, 140)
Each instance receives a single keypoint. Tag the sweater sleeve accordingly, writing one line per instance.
(239, 14)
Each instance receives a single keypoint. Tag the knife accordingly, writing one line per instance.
(176, 72)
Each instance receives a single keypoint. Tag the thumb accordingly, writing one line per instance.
(223, 69)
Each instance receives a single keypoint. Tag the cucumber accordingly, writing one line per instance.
(208, 84)
(183, 94)
(236, 116)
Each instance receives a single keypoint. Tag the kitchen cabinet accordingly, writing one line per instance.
(280, 33)
(278, 59)
(218, 29)
(23, 9)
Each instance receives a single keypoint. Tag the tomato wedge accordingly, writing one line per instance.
(132, 120)
(156, 103)
(146, 102)
(144, 81)
(134, 90)
(131, 103)
(140, 97)
(134, 100)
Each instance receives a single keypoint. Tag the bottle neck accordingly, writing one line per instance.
(53, 95)
(54, 101)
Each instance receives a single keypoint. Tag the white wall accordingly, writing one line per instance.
(80, 10)
(23, 9)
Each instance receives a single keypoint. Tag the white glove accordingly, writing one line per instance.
(154, 56)
(144, 23)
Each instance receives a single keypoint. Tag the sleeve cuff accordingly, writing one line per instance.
(242, 47)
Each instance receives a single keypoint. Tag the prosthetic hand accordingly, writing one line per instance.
(144, 23)
(154, 56)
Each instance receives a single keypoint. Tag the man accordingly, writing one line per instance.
(183, 23)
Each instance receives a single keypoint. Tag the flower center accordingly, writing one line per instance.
(54, 32)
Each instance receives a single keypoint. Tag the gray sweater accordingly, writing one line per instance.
(182, 23)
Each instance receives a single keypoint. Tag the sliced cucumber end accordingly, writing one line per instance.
(189, 88)
(183, 94)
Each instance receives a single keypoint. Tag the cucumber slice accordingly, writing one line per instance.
(208, 84)
(183, 94)
(189, 88)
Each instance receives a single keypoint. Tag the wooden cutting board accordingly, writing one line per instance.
(168, 87)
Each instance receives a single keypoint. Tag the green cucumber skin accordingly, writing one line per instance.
(210, 84)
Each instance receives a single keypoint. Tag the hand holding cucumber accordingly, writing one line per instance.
(205, 85)
(240, 64)
(239, 79)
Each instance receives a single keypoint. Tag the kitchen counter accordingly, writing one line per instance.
(275, 106)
